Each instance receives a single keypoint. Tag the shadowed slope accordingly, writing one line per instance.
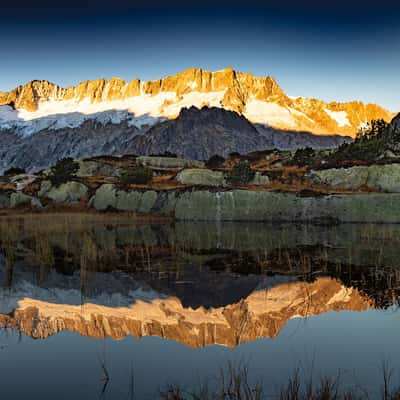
(199, 134)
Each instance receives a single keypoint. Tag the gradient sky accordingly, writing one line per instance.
(333, 50)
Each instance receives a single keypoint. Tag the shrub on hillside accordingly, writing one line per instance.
(164, 154)
(234, 154)
(138, 175)
(358, 150)
(14, 171)
(303, 157)
(374, 130)
(369, 144)
(240, 174)
(63, 171)
(215, 161)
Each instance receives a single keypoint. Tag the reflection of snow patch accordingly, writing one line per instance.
(339, 116)
(23, 291)
(344, 295)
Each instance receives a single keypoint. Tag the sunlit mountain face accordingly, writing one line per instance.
(42, 105)
(222, 111)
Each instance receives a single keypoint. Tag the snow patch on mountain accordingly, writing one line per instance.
(269, 113)
(147, 109)
(339, 116)
(137, 111)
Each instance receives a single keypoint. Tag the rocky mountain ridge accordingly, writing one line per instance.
(195, 133)
(198, 134)
(259, 99)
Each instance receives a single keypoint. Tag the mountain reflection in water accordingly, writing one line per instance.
(190, 282)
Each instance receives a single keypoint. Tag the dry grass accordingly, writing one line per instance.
(233, 383)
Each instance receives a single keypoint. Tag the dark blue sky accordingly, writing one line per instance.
(334, 50)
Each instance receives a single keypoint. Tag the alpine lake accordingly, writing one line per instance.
(101, 306)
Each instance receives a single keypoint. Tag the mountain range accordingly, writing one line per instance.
(41, 122)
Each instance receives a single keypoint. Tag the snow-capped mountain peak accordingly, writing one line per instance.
(40, 105)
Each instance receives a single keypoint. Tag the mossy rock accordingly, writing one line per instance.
(67, 193)
(203, 177)
(168, 162)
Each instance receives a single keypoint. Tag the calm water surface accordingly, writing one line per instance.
(149, 305)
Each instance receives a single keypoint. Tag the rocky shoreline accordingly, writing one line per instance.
(251, 205)
(188, 191)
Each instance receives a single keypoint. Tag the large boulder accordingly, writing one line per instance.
(45, 187)
(19, 199)
(203, 177)
(260, 180)
(168, 162)
(108, 197)
(142, 202)
(384, 178)
(105, 197)
(345, 178)
(67, 193)
(95, 168)
(381, 178)
(4, 199)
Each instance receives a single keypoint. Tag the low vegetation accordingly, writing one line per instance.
(14, 171)
(241, 174)
(303, 157)
(215, 161)
(234, 383)
(63, 171)
(370, 143)
(138, 175)
(164, 154)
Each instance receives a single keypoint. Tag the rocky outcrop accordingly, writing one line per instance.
(67, 193)
(264, 313)
(201, 177)
(207, 177)
(381, 178)
(19, 199)
(168, 162)
(5, 199)
(396, 122)
(260, 180)
(104, 198)
(95, 168)
(109, 197)
(250, 205)
(246, 205)
(27, 97)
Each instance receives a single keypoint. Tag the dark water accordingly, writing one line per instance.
(82, 297)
